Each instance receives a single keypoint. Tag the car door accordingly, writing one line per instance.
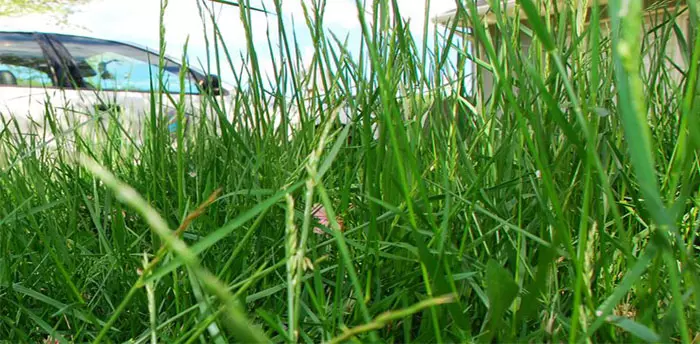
(115, 79)
(28, 78)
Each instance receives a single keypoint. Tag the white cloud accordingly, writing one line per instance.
(338, 14)
(415, 9)
(343, 13)
(341, 16)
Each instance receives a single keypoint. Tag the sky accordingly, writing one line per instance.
(136, 21)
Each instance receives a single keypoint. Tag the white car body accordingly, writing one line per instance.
(76, 104)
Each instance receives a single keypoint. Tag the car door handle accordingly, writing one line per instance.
(108, 107)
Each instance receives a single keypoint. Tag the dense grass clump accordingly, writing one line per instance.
(562, 205)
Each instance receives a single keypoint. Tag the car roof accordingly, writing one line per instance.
(69, 34)
(135, 45)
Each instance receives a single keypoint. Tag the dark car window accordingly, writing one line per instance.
(107, 65)
(22, 62)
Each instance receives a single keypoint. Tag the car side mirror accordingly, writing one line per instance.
(104, 73)
(212, 84)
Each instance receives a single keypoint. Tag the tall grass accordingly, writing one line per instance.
(562, 205)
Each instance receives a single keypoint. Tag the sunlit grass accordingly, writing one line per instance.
(560, 206)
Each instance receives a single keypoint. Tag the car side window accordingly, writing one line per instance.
(22, 62)
(111, 66)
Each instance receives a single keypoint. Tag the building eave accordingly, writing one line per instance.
(488, 16)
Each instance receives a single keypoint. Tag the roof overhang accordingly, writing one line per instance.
(488, 16)
(483, 10)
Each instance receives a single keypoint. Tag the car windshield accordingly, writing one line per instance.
(107, 65)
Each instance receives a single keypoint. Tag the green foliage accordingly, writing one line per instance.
(561, 205)
(20, 7)
(501, 291)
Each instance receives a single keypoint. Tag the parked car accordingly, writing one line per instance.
(82, 76)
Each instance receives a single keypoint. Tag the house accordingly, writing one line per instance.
(656, 12)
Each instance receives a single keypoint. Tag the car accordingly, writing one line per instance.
(80, 77)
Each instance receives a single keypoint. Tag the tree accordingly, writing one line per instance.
(20, 7)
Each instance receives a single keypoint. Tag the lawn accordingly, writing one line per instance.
(561, 207)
